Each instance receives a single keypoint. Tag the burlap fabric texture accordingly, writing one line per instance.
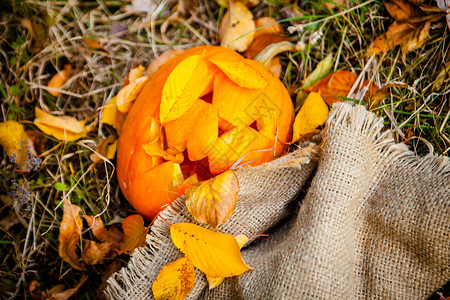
(355, 217)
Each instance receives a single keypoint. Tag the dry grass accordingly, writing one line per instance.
(31, 211)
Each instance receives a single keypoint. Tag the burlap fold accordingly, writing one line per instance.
(373, 222)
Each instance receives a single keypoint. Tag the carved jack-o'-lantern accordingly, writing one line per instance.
(204, 111)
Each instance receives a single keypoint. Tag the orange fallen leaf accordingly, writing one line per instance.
(312, 114)
(162, 59)
(213, 201)
(95, 45)
(183, 87)
(134, 234)
(175, 280)
(69, 234)
(111, 115)
(63, 128)
(112, 235)
(337, 85)
(381, 94)
(55, 293)
(216, 281)
(59, 79)
(215, 254)
(237, 28)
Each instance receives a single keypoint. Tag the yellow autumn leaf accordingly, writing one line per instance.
(215, 254)
(216, 281)
(134, 234)
(111, 115)
(183, 87)
(312, 114)
(242, 74)
(237, 28)
(213, 201)
(154, 149)
(14, 140)
(63, 128)
(175, 280)
(128, 94)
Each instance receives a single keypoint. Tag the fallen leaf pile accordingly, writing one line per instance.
(110, 242)
(411, 28)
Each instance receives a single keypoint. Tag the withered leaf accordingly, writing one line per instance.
(95, 253)
(213, 201)
(69, 234)
(237, 28)
(134, 234)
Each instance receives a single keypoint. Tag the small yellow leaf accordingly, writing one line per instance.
(14, 140)
(216, 281)
(63, 128)
(183, 87)
(134, 234)
(237, 28)
(111, 115)
(312, 114)
(215, 254)
(154, 149)
(175, 280)
(213, 201)
(241, 73)
(128, 94)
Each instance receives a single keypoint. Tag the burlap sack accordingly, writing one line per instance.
(373, 222)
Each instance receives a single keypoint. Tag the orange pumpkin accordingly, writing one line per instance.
(202, 112)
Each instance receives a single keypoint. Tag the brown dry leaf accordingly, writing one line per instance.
(402, 10)
(415, 39)
(106, 148)
(443, 74)
(161, 60)
(216, 281)
(175, 280)
(215, 254)
(112, 235)
(237, 28)
(59, 79)
(13, 139)
(38, 30)
(112, 116)
(128, 94)
(63, 128)
(55, 293)
(375, 100)
(393, 37)
(213, 201)
(95, 253)
(69, 234)
(337, 85)
(134, 234)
